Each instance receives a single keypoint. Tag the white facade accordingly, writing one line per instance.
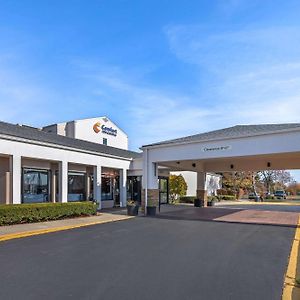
(41, 156)
(70, 164)
(212, 184)
(99, 130)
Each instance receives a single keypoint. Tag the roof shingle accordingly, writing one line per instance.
(35, 134)
(231, 132)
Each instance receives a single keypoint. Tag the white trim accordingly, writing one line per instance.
(55, 146)
(170, 143)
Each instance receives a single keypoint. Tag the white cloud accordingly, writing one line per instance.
(153, 113)
(256, 72)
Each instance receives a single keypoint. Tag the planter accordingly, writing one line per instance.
(211, 203)
(198, 203)
(132, 210)
(151, 211)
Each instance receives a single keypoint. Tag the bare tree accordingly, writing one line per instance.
(271, 177)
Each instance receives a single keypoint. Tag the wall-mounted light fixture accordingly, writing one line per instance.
(194, 165)
(231, 166)
(269, 164)
(177, 162)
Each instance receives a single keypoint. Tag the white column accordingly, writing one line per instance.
(201, 181)
(16, 167)
(53, 185)
(123, 188)
(63, 181)
(97, 185)
(7, 187)
(87, 185)
(201, 187)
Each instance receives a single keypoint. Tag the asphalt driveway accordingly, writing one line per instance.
(149, 258)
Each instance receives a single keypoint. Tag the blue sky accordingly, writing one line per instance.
(159, 69)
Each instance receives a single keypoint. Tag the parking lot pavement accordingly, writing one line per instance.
(149, 258)
(23, 230)
(262, 206)
(240, 214)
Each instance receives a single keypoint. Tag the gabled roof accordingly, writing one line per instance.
(35, 134)
(237, 131)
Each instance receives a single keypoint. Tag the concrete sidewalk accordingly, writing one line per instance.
(23, 230)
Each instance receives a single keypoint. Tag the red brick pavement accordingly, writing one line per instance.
(250, 216)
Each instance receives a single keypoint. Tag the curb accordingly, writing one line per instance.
(291, 290)
(18, 235)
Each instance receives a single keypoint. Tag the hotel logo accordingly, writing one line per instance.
(108, 130)
(97, 127)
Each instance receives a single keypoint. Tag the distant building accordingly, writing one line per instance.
(213, 182)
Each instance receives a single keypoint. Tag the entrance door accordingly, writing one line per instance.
(163, 183)
(134, 188)
(35, 186)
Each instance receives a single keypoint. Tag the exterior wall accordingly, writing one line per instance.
(136, 167)
(36, 164)
(4, 168)
(153, 196)
(84, 131)
(41, 156)
(70, 129)
(56, 128)
(191, 180)
(61, 128)
(213, 182)
(202, 194)
(78, 168)
(277, 143)
(51, 128)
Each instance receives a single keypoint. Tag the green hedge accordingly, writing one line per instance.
(190, 199)
(29, 213)
(187, 199)
(226, 197)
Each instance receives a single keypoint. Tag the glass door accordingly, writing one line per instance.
(134, 189)
(35, 186)
(163, 183)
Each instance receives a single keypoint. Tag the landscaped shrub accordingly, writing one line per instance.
(29, 213)
(226, 197)
(212, 198)
(187, 199)
(190, 199)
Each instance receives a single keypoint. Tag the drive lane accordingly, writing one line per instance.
(148, 258)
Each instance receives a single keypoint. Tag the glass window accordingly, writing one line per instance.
(134, 187)
(76, 187)
(107, 187)
(163, 185)
(35, 186)
(104, 141)
(163, 190)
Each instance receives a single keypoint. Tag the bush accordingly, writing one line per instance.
(30, 213)
(226, 197)
(212, 198)
(187, 199)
